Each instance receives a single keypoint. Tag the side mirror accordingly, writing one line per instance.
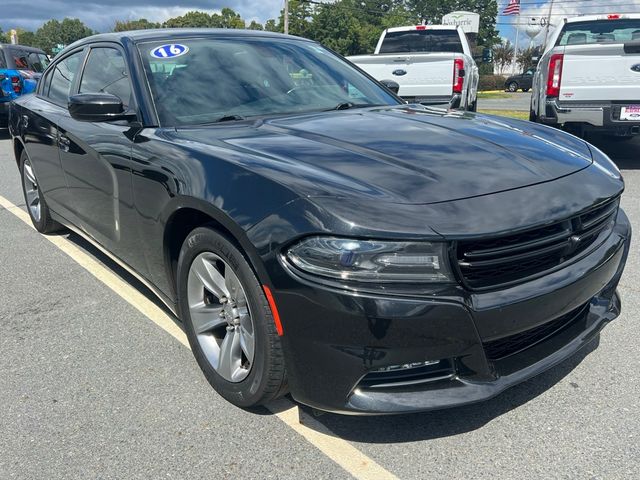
(97, 107)
(487, 55)
(391, 85)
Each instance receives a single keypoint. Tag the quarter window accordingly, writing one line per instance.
(62, 77)
(105, 72)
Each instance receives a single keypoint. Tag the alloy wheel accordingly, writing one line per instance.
(31, 190)
(221, 316)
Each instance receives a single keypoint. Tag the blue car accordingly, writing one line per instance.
(20, 69)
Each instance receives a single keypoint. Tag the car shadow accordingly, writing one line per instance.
(4, 134)
(445, 423)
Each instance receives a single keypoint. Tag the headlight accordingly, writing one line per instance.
(372, 260)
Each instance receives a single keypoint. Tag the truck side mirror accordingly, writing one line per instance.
(391, 85)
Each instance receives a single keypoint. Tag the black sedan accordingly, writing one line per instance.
(522, 81)
(313, 233)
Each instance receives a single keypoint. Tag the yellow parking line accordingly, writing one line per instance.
(340, 451)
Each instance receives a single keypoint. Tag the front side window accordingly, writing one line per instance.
(105, 72)
(422, 41)
(198, 81)
(600, 31)
(62, 77)
(3, 62)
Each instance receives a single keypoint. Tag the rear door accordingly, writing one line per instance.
(601, 61)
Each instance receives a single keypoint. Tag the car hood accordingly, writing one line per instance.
(403, 154)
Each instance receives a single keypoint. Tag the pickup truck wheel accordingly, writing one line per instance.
(36, 206)
(474, 106)
(532, 116)
(228, 321)
(513, 87)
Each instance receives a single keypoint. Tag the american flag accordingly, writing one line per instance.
(513, 8)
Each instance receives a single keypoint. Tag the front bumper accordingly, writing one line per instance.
(334, 338)
(597, 116)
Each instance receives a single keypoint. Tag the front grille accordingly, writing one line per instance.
(500, 261)
(507, 346)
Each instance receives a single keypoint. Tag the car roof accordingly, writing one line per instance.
(137, 36)
(22, 47)
(610, 16)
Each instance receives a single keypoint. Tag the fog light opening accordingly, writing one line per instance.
(407, 374)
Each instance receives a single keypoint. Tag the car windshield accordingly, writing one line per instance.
(422, 41)
(206, 80)
(600, 31)
(29, 60)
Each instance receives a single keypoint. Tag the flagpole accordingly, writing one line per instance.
(515, 54)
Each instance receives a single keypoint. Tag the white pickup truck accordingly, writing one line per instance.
(432, 64)
(588, 77)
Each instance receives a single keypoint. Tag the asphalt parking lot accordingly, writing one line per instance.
(90, 387)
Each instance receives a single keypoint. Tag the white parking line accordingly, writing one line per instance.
(340, 451)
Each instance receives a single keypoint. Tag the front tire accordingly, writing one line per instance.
(512, 87)
(36, 205)
(228, 321)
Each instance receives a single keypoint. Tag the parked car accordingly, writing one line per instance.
(588, 78)
(324, 237)
(20, 69)
(432, 64)
(521, 81)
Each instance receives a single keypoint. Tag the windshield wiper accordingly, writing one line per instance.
(229, 118)
(348, 105)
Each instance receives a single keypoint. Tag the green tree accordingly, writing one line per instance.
(337, 26)
(255, 25)
(140, 24)
(300, 15)
(524, 58)
(271, 26)
(503, 55)
(66, 32)
(191, 19)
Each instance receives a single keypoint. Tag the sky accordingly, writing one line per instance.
(101, 15)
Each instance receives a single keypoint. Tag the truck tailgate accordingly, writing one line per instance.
(428, 74)
(600, 72)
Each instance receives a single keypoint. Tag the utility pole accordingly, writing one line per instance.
(546, 29)
(286, 17)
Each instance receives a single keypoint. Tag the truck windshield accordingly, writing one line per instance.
(421, 41)
(199, 81)
(28, 59)
(600, 31)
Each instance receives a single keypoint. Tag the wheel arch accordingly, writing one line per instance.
(18, 148)
(188, 214)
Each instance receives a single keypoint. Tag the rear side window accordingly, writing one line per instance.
(28, 60)
(3, 62)
(600, 31)
(62, 77)
(422, 41)
(105, 72)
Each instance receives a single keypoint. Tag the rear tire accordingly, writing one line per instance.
(512, 87)
(228, 321)
(532, 116)
(474, 106)
(34, 199)
(525, 90)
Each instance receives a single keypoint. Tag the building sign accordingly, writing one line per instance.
(468, 21)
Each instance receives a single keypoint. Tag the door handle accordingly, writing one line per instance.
(64, 143)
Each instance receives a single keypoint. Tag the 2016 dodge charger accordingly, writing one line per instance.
(315, 234)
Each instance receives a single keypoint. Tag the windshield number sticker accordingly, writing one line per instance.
(171, 50)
